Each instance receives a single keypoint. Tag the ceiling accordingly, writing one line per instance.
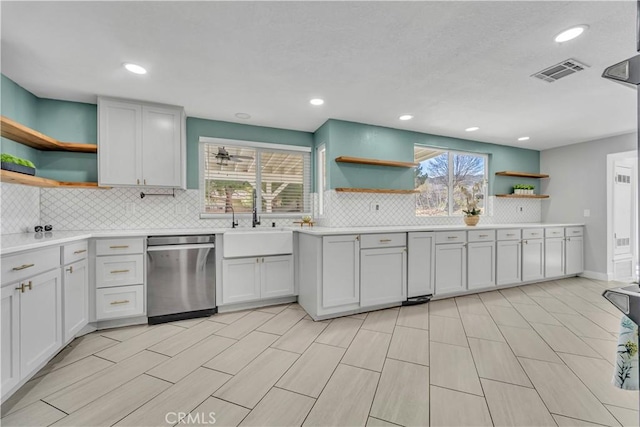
(451, 64)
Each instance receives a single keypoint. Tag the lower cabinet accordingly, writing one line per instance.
(532, 259)
(340, 270)
(383, 276)
(554, 257)
(251, 279)
(574, 255)
(119, 302)
(508, 260)
(481, 271)
(10, 344)
(451, 268)
(276, 278)
(75, 285)
(421, 256)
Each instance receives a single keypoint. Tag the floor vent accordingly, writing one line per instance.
(558, 71)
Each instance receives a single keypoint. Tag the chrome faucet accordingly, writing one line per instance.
(255, 220)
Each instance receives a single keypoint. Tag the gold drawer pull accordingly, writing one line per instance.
(119, 271)
(70, 269)
(124, 301)
(452, 237)
(30, 285)
(80, 251)
(119, 247)
(385, 240)
(534, 234)
(510, 234)
(22, 267)
(575, 231)
(21, 288)
(483, 235)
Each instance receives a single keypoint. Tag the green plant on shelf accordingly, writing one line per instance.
(8, 158)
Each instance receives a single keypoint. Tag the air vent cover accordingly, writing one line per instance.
(558, 71)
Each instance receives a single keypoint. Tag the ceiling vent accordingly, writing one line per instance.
(558, 71)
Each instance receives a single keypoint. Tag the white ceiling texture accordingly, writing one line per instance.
(451, 64)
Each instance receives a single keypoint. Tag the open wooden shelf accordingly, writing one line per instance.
(19, 133)
(524, 196)
(522, 174)
(375, 162)
(37, 181)
(374, 190)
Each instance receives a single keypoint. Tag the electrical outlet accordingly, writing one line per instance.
(374, 207)
(519, 209)
(587, 213)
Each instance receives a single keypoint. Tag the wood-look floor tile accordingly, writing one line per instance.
(346, 399)
(562, 340)
(606, 321)
(273, 309)
(471, 304)
(452, 367)
(312, 370)
(495, 361)
(626, 417)
(444, 307)
(280, 408)
(535, 313)
(128, 348)
(187, 323)
(368, 350)
(235, 358)
(375, 422)
(447, 330)
(300, 337)
(410, 345)
(48, 384)
(516, 296)
(583, 327)
(402, 396)
(605, 348)
(282, 322)
(554, 305)
(230, 317)
(494, 298)
(533, 290)
(116, 404)
(414, 316)
(36, 414)
(596, 375)
(91, 388)
(482, 327)
(296, 306)
(563, 393)
(507, 316)
(578, 304)
(553, 288)
(225, 414)
(243, 326)
(527, 343)
(572, 422)
(513, 405)
(360, 316)
(184, 396)
(340, 332)
(254, 381)
(186, 338)
(178, 367)
(453, 408)
(381, 320)
(127, 332)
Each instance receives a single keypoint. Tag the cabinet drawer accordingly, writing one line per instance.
(532, 233)
(511, 234)
(18, 267)
(368, 241)
(573, 231)
(112, 303)
(451, 237)
(554, 232)
(481, 235)
(119, 246)
(74, 252)
(119, 270)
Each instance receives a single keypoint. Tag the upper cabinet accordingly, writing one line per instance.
(141, 144)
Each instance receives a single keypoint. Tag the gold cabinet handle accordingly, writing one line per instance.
(263, 260)
(385, 240)
(483, 235)
(124, 301)
(70, 269)
(118, 247)
(30, 285)
(21, 288)
(119, 271)
(575, 231)
(22, 267)
(534, 234)
(80, 251)
(138, 181)
(257, 260)
(357, 238)
(145, 181)
(452, 237)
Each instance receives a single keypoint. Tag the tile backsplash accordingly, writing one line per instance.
(19, 208)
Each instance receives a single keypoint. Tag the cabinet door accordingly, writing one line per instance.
(451, 268)
(240, 280)
(421, 271)
(119, 143)
(40, 320)
(481, 265)
(10, 315)
(276, 278)
(554, 257)
(162, 156)
(508, 262)
(383, 277)
(532, 259)
(340, 270)
(574, 253)
(75, 291)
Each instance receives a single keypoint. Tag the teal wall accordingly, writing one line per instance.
(361, 140)
(20, 105)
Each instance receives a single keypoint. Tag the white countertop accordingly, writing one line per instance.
(11, 243)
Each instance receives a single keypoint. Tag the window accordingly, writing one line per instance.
(233, 170)
(321, 176)
(439, 178)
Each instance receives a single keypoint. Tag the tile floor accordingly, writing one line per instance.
(535, 355)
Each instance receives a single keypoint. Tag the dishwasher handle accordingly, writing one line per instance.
(180, 247)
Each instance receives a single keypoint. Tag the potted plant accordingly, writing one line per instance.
(530, 189)
(16, 164)
(472, 213)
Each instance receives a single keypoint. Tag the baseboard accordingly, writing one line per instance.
(597, 275)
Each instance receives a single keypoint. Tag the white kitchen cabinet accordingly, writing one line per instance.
(119, 302)
(421, 263)
(554, 257)
(75, 298)
(451, 268)
(251, 279)
(383, 277)
(532, 259)
(276, 276)
(10, 344)
(481, 263)
(508, 262)
(574, 255)
(140, 144)
(340, 270)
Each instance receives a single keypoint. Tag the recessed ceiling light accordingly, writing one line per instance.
(571, 33)
(406, 117)
(523, 138)
(316, 101)
(243, 116)
(134, 68)
(472, 129)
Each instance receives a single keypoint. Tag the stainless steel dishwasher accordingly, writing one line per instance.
(181, 277)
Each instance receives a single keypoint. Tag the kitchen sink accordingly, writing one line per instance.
(257, 242)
